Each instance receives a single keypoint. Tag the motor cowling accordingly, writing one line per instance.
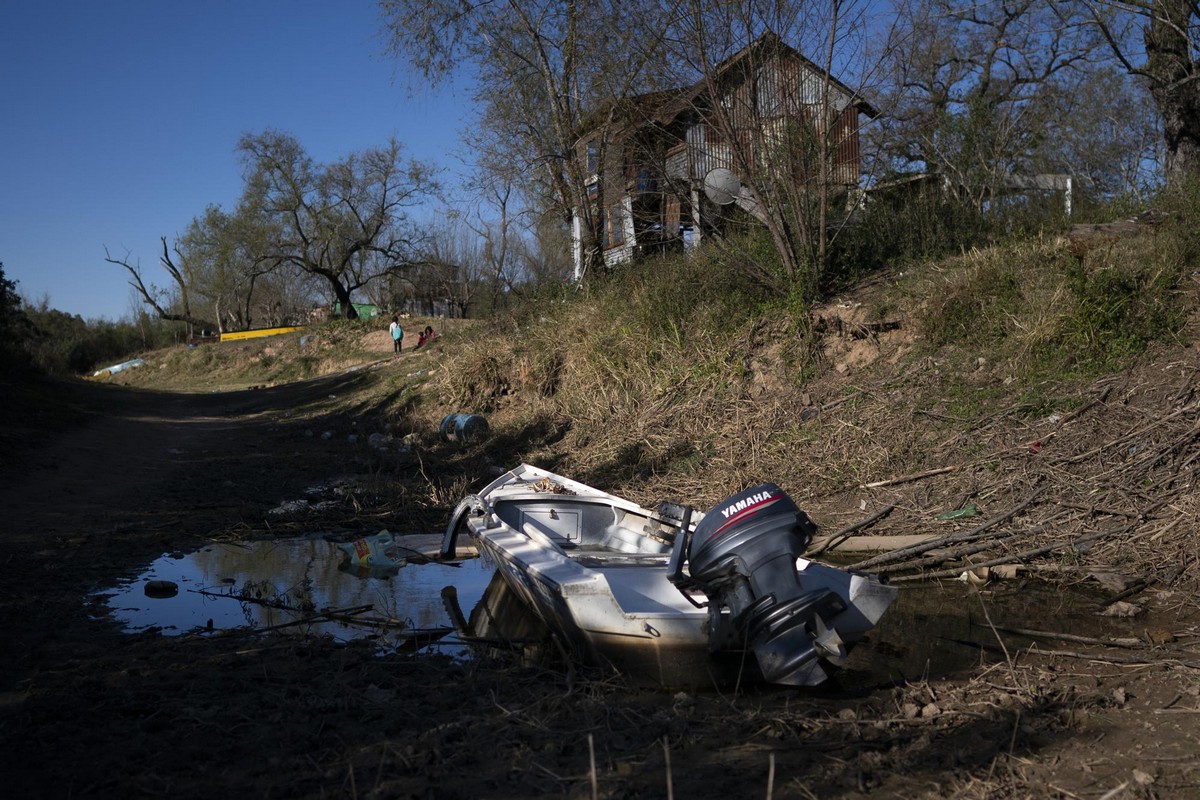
(743, 554)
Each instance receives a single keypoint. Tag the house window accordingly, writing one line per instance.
(614, 227)
(593, 157)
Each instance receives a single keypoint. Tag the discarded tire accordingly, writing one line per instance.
(161, 589)
(463, 428)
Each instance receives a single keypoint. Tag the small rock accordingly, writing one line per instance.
(161, 589)
(930, 711)
(379, 441)
(848, 714)
(291, 507)
(910, 710)
(1122, 610)
(1112, 581)
(1160, 636)
(1143, 778)
(1120, 695)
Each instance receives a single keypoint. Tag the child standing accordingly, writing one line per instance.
(397, 334)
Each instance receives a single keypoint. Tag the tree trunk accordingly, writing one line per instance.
(1175, 85)
(343, 297)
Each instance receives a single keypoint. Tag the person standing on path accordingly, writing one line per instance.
(397, 334)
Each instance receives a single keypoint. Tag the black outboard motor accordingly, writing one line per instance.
(743, 555)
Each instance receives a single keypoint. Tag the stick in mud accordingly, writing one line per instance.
(845, 533)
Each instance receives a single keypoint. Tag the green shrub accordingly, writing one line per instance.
(1119, 306)
(978, 307)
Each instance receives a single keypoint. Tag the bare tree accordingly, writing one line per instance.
(228, 267)
(495, 220)
(972, 89)
(174, 307)
(541, 66)
(1106, 132)
(344, 223)
(459, 264)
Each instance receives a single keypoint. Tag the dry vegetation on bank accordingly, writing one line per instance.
(1059, 369)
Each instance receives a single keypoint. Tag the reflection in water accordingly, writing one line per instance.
(931, 631)
(294, 583)
(942, 629)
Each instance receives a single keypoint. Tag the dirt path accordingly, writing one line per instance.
(85, 710)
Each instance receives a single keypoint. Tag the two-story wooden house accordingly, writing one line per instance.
(646, 162)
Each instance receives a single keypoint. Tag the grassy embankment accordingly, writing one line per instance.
(677, 376)
(681, 378)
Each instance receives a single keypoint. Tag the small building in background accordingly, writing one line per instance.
(364, 310)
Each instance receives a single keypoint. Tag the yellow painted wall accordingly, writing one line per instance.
(230, 337)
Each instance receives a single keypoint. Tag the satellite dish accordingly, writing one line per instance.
(721, 186)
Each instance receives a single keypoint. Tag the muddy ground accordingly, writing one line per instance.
(86, 710)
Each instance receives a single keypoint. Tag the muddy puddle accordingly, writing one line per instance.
(305, 586)
(943, 629)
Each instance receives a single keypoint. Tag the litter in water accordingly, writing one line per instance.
(380, 550)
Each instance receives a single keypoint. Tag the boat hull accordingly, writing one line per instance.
(594, 568)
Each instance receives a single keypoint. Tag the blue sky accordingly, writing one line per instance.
(119, 121)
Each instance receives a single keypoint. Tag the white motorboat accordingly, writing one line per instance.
(670, 585)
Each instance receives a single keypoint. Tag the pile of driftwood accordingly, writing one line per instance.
(1106, 493)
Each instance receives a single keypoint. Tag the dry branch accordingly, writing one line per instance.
(1018, 558)
(959, 553)
(1113, 659)
(900, 555)
(841, 536)
(1128, 644)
